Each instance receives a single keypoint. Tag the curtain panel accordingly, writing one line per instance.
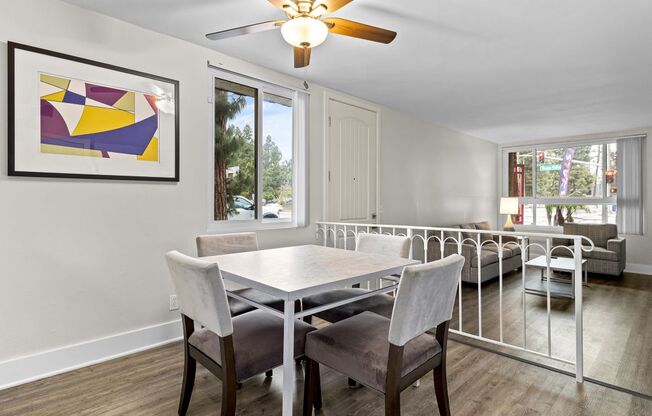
(629, 179)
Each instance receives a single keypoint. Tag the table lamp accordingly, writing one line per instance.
(509, 207)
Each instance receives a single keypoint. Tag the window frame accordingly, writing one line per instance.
(603, 200)
(299, 123)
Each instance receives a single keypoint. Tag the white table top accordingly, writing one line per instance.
(557, 263)
(294, 272)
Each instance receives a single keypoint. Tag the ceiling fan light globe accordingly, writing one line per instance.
(304, 32)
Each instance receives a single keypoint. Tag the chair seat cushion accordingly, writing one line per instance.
(509, 250)
(358, 348)
(381, 304)
(257, 343)
(238, 307)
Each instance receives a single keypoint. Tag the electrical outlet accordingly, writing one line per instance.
(173, 303)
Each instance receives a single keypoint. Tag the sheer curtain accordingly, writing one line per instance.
(629, 179)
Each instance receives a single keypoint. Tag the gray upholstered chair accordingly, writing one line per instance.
(216, 245)
(388, 355)
(386, 245)
(609, 256)
(228, 347)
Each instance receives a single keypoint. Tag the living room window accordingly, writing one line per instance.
(574, 182)
(258, 161)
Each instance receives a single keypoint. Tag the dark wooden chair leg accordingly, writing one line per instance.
(393, 402)
(189, 369)
(189, 366)
(439, 373)
(317, 402)
(309, 387)
(393, 381)
(229, 384)
(269, 373)
(228, 399)
(441, 390)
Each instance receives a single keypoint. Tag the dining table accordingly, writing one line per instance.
(291, 273)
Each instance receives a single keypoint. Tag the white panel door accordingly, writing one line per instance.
(352, 157)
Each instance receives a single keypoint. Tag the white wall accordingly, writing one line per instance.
(639, 247)
(432, 175)
(83, 259)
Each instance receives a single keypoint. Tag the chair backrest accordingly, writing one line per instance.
(200, 292)
(388, 245)
(425, 298)
(218, 244)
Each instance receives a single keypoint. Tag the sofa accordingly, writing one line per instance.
(488, 261)
(609, 255)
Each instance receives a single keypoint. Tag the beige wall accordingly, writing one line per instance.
(83, 259)
(433, 175)
(639, 247)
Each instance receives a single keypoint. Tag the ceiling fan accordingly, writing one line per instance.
(306, 27)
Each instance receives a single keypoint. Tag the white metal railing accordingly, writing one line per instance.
(335, 234)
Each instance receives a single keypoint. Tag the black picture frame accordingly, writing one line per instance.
(12, 47)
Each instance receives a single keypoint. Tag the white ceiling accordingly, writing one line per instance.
(503, 70)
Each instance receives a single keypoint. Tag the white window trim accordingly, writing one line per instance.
(300, 103)
(603, 200)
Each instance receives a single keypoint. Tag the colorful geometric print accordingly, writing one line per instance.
(83, 119)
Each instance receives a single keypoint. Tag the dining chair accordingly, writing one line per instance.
(382, 304)
(388, 355)
(230, 348)
(219, 244)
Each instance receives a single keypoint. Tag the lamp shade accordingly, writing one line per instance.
(509, 206)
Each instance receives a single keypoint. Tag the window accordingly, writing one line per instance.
(257, 164)
(563, 183)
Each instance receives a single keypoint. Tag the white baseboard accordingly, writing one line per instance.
(44, 364)
(639, 268)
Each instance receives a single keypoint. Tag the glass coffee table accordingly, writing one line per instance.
(563, 288)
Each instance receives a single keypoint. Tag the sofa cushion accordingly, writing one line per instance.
(600, 253)
(358, 347)
(598, 233)
(485, 226)
(469, 226)
(486, 257)
(257, 343)
(508, 251)
(448, 234)
(381, 304)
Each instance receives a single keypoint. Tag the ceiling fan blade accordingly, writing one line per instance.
(359, 30)
(245, 30)
(301, 57)
(333, 5)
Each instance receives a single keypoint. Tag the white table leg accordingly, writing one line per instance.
(288, 358)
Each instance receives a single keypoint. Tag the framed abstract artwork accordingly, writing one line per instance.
(76, 118)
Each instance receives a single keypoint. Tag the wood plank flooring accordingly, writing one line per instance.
(148, 383)
(617, 325)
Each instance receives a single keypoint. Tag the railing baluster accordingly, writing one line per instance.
(579, 324)
(548, 277)
(459, 251)
(523, 268)
(479, 252)
(500, 286)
